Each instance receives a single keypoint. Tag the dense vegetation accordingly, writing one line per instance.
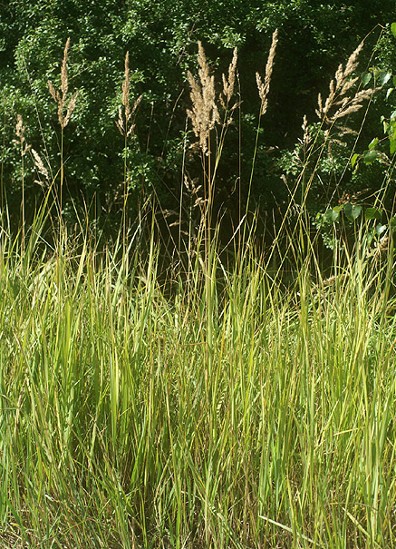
(161, 39)
(236, 415)
(197, 291)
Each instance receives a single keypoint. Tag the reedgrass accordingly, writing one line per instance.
(66, 108)
(263, 87)
(24, 148)
(240, 409)
(61, 96)
(204, 114)
(126, 126)
(342, 84)
(263, 90)
(246, 416)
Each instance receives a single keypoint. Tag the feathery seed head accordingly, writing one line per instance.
(20, 133)
(60, 97)
(20, 129)
(229, 83)
(125, 88)
(64, 78)
(353, 60)
(204, 114)
(70, 108)
(126, 111)
(40, 165)
(263, 87)
(339, 87)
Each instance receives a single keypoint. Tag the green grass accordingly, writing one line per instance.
(242, 405)
(255, 415)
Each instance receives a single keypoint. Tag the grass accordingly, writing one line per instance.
(240, 409)
(254, 416)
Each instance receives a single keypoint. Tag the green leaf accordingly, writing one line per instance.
(392, 136)
(393, 29)
(392, 223)
(356, 211)
(352, 211)
(370, 156)
(373, 213)
(331, 216)
(392, 144)
(384, 78)
(354, 159)
(380, 229)
(367, 76)
(390, 90)
(373, 144)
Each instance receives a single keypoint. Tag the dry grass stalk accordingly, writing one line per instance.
(381, 248)
(60, 96)
(20, 129)
(20, 133)
(126, 112)
(193, 188)
(339, 87)
(264, 87)
(39, 164)
(204, 113)
(306, 140)
(229, 83)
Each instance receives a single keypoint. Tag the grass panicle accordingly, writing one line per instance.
(41, 168)
(264, 87)
(339, 98)
(204, 113)
(126, 112)
(229, 81)
(66, 105)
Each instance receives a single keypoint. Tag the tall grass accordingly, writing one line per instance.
(237, 412)
(252, 417)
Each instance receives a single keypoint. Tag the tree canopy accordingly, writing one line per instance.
(161, 38)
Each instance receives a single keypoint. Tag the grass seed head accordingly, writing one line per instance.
(60, 96)
(20, 129)
(20, 133)
(64, 77)
(204, 113)
(339, 87)
(229, 83)
(264, 87)
(126, 111)
(39, 164)
(126, 88)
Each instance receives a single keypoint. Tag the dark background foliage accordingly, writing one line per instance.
(161, 36)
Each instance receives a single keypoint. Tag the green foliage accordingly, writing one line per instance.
(161, 40)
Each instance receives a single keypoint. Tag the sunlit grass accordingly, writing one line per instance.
(252, 416)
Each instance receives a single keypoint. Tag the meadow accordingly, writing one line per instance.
(219, 404)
